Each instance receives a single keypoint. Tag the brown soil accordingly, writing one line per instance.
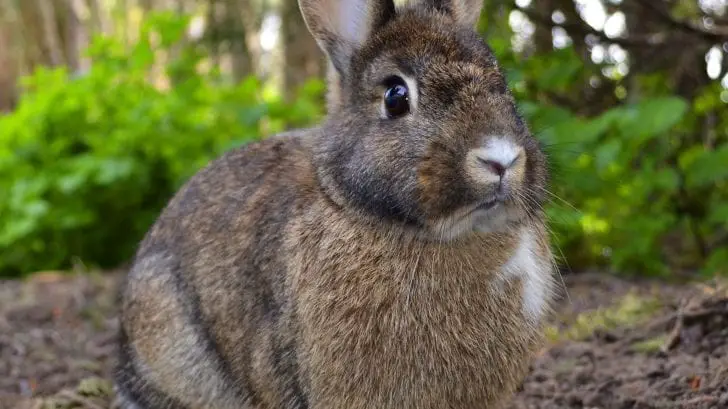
(614, 344)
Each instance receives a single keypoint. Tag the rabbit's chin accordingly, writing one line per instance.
(491, 218)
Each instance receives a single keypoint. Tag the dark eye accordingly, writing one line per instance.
(396, 98)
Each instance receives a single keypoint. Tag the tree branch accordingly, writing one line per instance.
(685, 26)
(583, 29)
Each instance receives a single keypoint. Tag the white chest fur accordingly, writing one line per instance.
(533, 267)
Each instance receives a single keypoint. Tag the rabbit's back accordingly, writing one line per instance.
(205, 317)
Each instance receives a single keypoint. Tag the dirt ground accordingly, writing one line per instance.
(614, 344)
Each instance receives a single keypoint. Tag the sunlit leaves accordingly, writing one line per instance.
(613, 173)
(707, 167)
(87, 162)
(651, 118)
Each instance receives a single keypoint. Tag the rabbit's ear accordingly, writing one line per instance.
(464, 12)
(341, 26)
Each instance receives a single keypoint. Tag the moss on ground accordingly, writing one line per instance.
(628, 311)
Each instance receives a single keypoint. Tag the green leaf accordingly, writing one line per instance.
(719, 214)
(142, 56)
(666, 179)
(717, 263)
(689, 156)
(607, 153)
(113, 169)
(708, 168)
(560, 69)
(651, 118)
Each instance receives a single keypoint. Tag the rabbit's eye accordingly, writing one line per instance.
(396, 98)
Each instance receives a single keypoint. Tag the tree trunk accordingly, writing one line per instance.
(242, 64)
(302, 57)
(8, 63)
(99, 20)
(29, 28)
(212, 32)
(146, 5)
(49, 33)
(543, 38)
(568, 7)
(73, 35)
(252, 12)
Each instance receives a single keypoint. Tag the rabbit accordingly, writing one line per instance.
(395, 256)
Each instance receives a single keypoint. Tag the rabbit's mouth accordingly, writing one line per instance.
(492, 202)
(488, 204)
(489, 215)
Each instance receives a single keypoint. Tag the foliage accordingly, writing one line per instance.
(635, 187)
(639, 183)
(88, 161)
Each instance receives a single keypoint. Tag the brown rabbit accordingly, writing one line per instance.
(394, 258)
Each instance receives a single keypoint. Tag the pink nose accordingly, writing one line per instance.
(494, 166)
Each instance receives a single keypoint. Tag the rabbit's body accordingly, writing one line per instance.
(344, 268)
(310, 307)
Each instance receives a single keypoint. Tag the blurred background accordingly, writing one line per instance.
(109, 105)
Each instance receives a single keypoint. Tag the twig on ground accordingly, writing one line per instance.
(674, 336)
(687, 313)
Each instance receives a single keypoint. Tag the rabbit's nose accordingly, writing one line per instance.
(494, 166)
(498, 155)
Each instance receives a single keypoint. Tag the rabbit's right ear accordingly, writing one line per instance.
(341, 26)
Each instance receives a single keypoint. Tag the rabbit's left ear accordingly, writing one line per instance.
(341, 26)
(464, 12)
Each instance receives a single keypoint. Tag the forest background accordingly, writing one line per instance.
(109, 105)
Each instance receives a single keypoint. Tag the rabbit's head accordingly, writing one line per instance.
(422, 129)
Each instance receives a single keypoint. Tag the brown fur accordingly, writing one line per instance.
(319, 268)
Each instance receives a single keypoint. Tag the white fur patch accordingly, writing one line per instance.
(534, 272)
(499, 150)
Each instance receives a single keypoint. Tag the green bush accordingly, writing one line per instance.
(635, 188)
(87, 162)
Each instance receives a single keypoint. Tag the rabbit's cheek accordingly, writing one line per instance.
(441, 187)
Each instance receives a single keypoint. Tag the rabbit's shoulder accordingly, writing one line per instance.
(247, 190)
